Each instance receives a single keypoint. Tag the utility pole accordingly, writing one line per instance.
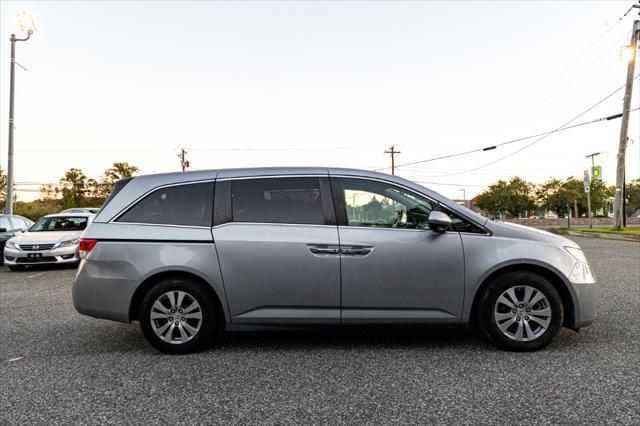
(619, 215)
(184, 163)
(593, 167)
(27, 25)
(392, 151)
(464, 197)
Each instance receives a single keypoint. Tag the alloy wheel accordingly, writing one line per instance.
(176, 317)
(522, 313)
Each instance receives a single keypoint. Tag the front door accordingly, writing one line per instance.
(277, 244)
(395, 269)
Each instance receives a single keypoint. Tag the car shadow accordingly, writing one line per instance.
(108, 337)
(43, 267)
(351, 338)
(121, 337)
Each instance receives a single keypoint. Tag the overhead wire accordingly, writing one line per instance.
(563, 127)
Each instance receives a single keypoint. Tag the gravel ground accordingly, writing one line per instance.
(57, 366)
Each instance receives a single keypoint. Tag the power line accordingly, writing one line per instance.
(563, 127)
(544, 134)
(243, 149)
(576, 59)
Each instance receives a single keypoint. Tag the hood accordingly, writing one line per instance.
(514, 230)
(46, 237)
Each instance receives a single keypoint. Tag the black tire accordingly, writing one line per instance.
(16, 268)
(210, 321)
(488, 325)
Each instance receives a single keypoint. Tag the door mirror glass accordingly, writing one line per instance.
(439, 221)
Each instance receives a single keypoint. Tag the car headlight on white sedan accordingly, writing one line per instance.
(10, 244)
(68, 243)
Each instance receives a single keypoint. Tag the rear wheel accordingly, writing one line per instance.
(520, 311)
(178, 316)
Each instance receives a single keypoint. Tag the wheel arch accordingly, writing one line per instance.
(150, 281)
(554, 277)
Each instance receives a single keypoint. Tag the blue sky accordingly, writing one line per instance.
(242, 84)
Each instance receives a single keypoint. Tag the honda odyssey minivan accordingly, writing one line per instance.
(188, 255)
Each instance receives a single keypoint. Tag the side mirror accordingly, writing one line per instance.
(3, 229)
(439, 221)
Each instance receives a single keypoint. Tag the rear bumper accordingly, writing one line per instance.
(60, 255)
(104, 289)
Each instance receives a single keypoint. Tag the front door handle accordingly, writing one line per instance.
(356, 251)
(324, 249)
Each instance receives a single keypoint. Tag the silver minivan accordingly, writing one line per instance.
(188, 255)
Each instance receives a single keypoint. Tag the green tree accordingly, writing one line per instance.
(119, 170)
(373, 210)
(633, 196)
(555, 195)
(73, 188)
(514, 197)
(3, 188)
(552, 196)
(600, 194)
(49, 196)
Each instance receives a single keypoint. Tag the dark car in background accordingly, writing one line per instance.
(10, 225)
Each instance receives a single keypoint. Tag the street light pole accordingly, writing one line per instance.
(12, 82)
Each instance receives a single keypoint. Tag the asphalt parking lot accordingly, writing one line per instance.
(57, 366)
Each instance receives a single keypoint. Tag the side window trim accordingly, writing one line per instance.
(116, 218)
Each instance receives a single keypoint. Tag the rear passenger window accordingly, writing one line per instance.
(189, 205)
(279, 200)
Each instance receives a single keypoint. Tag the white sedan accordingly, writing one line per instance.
(53, 239)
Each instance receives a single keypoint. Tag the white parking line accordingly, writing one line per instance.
(35, 275)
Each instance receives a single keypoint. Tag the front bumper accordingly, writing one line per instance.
(586, 304)
(62, 255)
(585, 293)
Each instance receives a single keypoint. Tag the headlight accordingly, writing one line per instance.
(11, 245)
(578, 254)
(68, 243)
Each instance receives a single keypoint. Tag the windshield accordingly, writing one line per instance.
(59, 223)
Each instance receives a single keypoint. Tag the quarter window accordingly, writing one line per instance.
(462, 225)
(188, 205)
(277, 200)
(380, 205)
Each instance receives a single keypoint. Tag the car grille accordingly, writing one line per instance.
(44, 259)
(36, 247)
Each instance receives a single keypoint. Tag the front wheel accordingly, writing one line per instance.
(520, 311)
(177, 316)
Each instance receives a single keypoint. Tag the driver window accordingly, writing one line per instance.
(381, 205)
